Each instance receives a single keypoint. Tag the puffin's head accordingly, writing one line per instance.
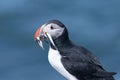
(50, 31)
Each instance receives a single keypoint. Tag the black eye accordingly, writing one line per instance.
(51, 27)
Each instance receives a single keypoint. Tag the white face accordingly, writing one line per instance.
(53, 30)
(48, 32)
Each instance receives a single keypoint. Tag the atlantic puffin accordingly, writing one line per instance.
(72, 61)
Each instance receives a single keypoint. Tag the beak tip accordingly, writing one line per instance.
(37, 33)
(39, 37)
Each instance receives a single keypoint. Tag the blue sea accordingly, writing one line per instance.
(94, 24)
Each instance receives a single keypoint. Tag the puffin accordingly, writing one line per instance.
(72, 61)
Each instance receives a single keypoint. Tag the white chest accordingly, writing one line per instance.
(54, 58)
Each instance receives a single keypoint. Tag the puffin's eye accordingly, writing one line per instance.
(51, 27)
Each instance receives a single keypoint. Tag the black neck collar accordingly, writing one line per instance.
(61, 41)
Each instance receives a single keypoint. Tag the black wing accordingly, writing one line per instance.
(81, 63)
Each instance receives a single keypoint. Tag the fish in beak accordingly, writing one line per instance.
(40, 36)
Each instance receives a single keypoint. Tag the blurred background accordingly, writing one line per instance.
(94, 24)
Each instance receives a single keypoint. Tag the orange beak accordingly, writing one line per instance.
(39, 36)
(37, 33)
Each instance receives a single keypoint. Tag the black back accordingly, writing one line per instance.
(78, 60)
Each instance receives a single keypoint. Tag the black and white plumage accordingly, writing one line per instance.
(72, 61)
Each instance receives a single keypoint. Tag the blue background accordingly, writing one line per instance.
(94, 24)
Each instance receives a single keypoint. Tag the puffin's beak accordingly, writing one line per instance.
(40, 36)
